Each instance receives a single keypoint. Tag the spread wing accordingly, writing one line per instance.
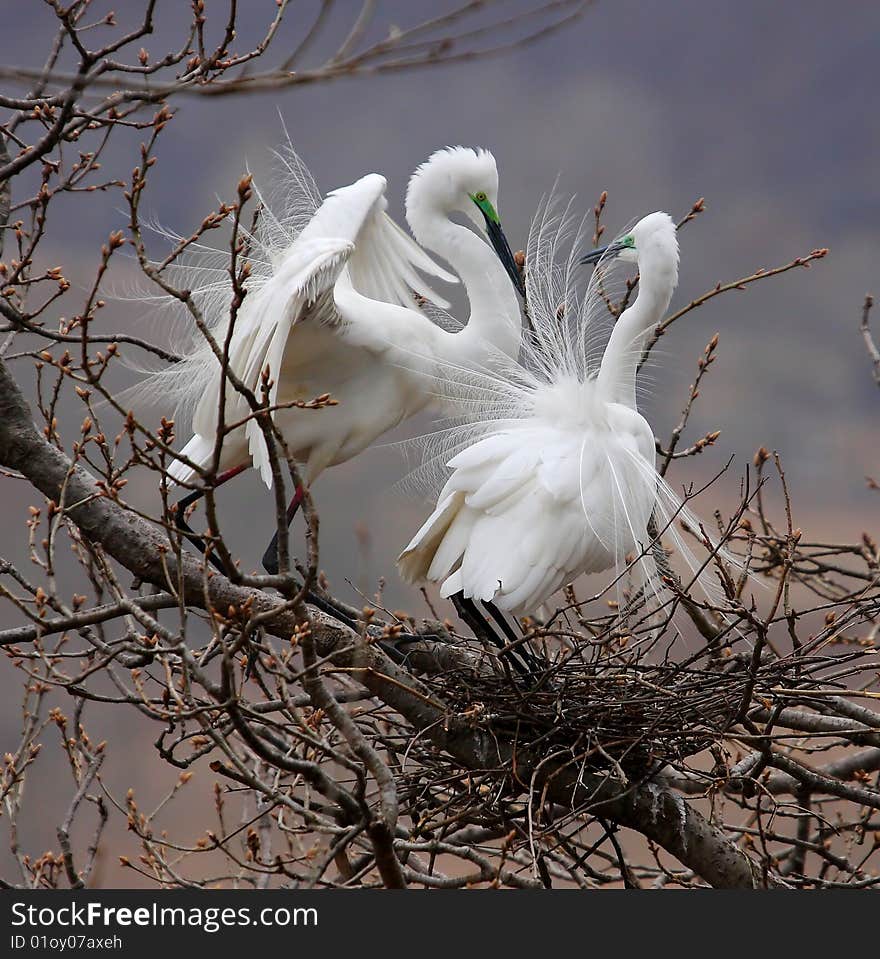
(350, 231)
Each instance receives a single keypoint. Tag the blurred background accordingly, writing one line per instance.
(766, 110)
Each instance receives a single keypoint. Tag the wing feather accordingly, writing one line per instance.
(350, 229)
(383, 266)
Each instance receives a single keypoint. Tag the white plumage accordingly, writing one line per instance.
(331, 308)
(561, 480)
(530, 508)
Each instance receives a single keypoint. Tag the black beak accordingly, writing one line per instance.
(502, 248)
(609, 251)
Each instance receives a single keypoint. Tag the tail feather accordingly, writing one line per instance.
(416, 559)
(199, 450)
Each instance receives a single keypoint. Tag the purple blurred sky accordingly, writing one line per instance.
(766, 109)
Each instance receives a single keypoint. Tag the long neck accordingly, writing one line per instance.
(616, 381)
(495, 317)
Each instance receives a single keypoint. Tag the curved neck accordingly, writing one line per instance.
(495, 316)
(616, 381)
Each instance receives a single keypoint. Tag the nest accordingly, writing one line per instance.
(633, 715)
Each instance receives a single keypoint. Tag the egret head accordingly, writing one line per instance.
(460, 180)
(652, 240)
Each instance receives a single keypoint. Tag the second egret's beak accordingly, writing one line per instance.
(609, 252)
(502, 248)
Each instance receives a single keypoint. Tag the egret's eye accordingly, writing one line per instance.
(628, 241)
(485, 206)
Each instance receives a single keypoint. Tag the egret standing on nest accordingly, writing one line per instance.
(562, 479)
(334, 312)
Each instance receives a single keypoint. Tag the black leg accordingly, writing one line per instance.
(389, 647)
(469, 612)
(193, 497)
(470, 616)
(188, 533)
(253, 654)
(270, 564)
(512, 638)
(392, 652)
(215, 561)
(270, 557)
(197, 541)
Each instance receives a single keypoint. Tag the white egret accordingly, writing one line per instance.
(561, 479)
(333, 310)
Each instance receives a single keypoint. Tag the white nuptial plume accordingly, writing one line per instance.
(550, 468)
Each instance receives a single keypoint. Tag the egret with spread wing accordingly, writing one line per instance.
(560, 477)
(335, 312)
